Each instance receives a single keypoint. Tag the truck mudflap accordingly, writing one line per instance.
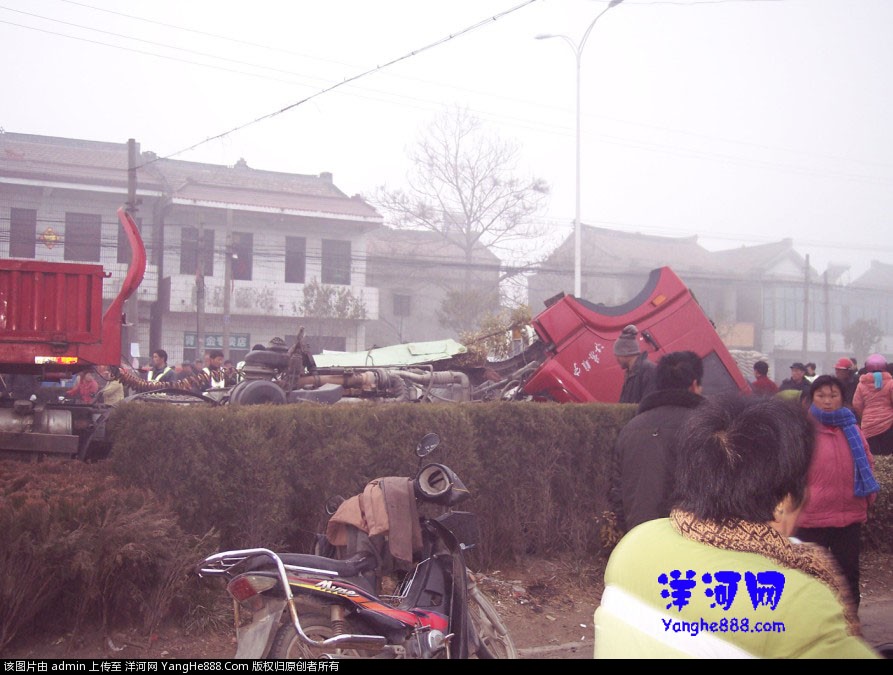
(580, 366)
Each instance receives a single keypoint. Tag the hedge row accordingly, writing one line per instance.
(261, 474)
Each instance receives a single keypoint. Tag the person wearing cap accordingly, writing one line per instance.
(873, 403)
(639, 378)
(845, 371)
(797, 381)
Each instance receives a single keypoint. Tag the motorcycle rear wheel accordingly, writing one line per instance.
(287, 644)
(492, 636)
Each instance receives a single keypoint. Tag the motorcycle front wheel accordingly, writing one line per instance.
(288, 645)
(491, 636)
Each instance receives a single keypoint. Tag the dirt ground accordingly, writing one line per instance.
(547, 607)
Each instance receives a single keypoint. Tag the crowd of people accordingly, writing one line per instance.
(738, 517)
(100, 386)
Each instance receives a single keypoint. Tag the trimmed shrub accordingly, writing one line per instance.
(81, 548)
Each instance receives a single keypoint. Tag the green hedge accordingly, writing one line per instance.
(261, 474)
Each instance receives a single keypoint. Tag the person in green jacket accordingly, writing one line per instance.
(721, 577)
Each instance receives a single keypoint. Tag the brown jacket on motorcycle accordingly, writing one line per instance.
(386, 507)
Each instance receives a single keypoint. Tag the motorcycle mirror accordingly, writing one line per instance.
(427, 445)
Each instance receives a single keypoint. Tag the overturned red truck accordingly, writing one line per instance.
(571, 361)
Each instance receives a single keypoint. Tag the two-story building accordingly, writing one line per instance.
(231, 250)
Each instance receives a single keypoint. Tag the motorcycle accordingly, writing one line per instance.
(331, 604)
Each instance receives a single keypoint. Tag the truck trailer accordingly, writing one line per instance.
(52, 327)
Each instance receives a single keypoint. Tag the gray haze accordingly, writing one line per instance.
(740, 121)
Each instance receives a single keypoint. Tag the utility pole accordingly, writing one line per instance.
(200, 293)
(827, 315)
(806, 307)
(227, 281)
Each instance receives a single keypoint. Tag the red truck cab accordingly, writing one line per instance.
(580, 366)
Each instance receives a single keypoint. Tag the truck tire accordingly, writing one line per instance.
(255, 392)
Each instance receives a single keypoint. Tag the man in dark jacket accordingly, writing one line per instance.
(639, 379)
(643, 462)
(797, 381)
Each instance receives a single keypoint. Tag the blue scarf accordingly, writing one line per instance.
(864, 481)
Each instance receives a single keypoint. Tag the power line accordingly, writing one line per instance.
(354, 78)
(514, 121)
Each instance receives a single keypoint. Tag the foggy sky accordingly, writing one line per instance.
(741, 121)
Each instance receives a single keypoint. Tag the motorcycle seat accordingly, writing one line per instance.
(352, 567)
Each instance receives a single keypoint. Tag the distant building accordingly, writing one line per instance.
(412, 271)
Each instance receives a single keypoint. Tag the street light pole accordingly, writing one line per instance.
(578, 54)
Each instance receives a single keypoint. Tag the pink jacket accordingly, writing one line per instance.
(829, 499)
(874, 406)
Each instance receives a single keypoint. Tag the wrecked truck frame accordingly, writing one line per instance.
(570, 361)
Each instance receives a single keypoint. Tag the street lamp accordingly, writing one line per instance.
(578, 53)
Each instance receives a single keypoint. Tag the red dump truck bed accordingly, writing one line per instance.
(51, 312)
(580, 366)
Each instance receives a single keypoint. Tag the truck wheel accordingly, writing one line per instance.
(254, 392)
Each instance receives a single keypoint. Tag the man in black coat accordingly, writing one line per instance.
(643, 463)
(638, 380)
(797, 381)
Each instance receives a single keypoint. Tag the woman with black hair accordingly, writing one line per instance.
(841, 483)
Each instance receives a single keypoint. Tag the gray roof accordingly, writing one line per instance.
(388, 242)
(878, 275)
(607, 249)
(84, 163)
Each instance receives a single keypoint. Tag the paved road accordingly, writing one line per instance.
(877, 619)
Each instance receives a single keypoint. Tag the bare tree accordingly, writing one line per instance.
(463, 187)
(861, 336)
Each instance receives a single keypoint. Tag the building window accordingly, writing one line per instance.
(124, 252)
(243, 252)
(83, 236)
(295, 260)
(22, 233)
(189, 248)
(401, 304)
(335, 262)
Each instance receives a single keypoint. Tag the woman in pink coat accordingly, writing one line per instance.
(873, 402)
(840, 483)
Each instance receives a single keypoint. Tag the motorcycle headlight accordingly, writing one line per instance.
(437, 483)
